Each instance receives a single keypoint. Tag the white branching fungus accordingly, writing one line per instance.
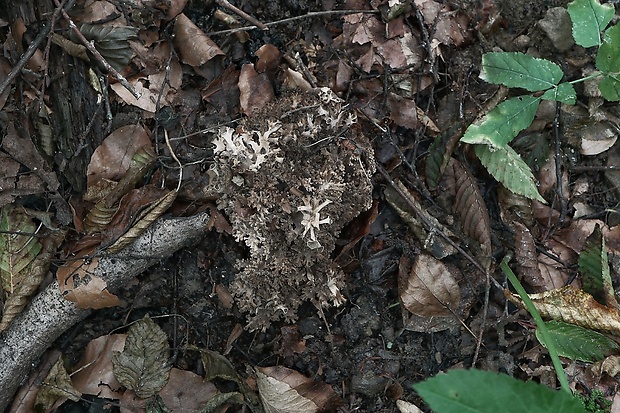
(311, 220)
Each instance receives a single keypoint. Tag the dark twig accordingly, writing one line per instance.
(91, 48)
(291, 19)
(559, 163)
(241, 13)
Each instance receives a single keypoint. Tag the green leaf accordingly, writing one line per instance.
(515, 69)
(564, 93)
(589, 19)
(594, 269)
(143, 365)
(608, 56)
(503, 123)
(477, 391)
(578, 343)
(610, 87)
(507, 167)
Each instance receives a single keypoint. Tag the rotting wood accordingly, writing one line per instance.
(49, 314)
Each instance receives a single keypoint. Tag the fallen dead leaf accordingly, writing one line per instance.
(255, 89)
(283, 390)
(194, 47)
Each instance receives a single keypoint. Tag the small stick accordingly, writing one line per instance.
(97, 55)
(241, 13)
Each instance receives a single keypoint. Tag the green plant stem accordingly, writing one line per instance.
(557, 364)
(583, 79)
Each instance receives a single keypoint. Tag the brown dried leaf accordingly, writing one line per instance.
(469, 205)
(573, 306)
(93, 374)
(283, 390)
(431, 288)
(111, 160)
(56, 387)
(192, 44)
(525, 254)
(77, 284)
(255, 89)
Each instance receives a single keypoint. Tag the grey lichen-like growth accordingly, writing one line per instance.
(291, 177)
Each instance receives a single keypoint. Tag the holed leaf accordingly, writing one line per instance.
(608, 57)
(479, 391)
(515, 69)
(594, 269)
(589, 19)
(505, 165)
(143, 365)
(503, 123)
(578, 343)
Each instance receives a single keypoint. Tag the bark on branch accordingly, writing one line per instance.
(49, 314)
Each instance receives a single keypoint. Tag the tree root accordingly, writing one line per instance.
(49, 314)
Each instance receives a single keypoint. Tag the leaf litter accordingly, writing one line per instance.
(386, 66)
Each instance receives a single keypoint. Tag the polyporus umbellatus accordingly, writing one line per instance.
(296, 173)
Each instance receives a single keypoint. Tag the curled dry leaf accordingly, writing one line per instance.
(573, 306)
(283, 390)
(525, 254)
(431, 289)
(194, 47)
(469, 205)
(93, 374)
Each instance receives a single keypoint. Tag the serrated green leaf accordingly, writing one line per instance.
(507, 167)
(477, 391)
(589, 19)
(594, 269)
(608, 56)
(564, 93)
(578, 343)
(610, 87)
(143, 365)
(503, 123)
(515, 69)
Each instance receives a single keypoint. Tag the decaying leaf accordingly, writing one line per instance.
(431, 289)
(573, 306)
(93, 374)
(143, 365)
(594, 269)
(194, 47)
(57, 386)
(611, 366)
(283, 390)
(31, 278)
(112, 42)
(440, 154)
(433, 243)
(525, 254)
(78, 284)
(255, 89)
(469, 205)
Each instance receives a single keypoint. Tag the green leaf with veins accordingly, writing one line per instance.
(589, 19)
(578, 343)
(564, 93)
(520, 70)
(477, 391)
(507, 167)
(610, 87)
(608, 56)
(503, 123)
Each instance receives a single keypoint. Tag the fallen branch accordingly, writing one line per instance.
(49, 314)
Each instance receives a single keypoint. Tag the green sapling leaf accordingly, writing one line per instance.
(520, 70)
(564, 93)
(610, 87)
(578, 343)
(507, 167)
(608, 57)
(478, 391)
(504, 122)
(589, 18)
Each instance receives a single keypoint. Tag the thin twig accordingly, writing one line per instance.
(559, 165)
(241, 13)
(291, 19)
(91, 48)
